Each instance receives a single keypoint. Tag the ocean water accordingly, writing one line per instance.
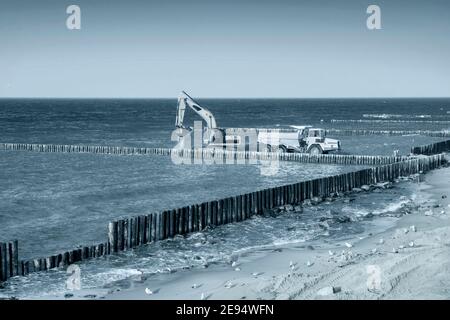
(150, 122)
(324, 225)
(53, 202)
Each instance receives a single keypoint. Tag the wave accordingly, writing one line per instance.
(389, 116)
(392, 207)
(388, 121)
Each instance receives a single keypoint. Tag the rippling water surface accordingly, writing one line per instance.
(52, 202)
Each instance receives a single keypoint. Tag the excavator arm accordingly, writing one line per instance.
(184, 101)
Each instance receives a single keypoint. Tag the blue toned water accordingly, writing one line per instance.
(52, 202)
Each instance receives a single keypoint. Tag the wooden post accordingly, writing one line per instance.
(59, 259)
(126, 234)
(204, 215)
(172, 222)
(25, 268)
(51, 262)
(182, 221)
(3, 262)
(98, 251)
(65, 261)
(249, 205)
(214, 213)
(136, 231)
(112, 233)
(220, 212)
(142, 229)
(200, 216)
(243, 207)
(167, 223)
(235, 210)
(258, 204)
(154, 227)
(120, 235)
(186, 221)
(159, 226)
(254, 203)
(164, 225)
(276, 195)
(196, 218)
(85, 254)
(77, 254)
(71, 257)
(209, 213)
(92, 251)
(36, 265)
(175, 221)
(270, 194)
(131, 229)
(191, 219)
(225, 210)
(148, 228)
(239, 201)
(246, 206)
(13, 258)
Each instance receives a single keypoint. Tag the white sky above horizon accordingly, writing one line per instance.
(224, 49)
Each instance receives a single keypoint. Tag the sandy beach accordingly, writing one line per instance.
(408, 261)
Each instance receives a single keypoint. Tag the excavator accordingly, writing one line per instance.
(212, 135)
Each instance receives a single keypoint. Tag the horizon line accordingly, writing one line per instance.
(211, 97)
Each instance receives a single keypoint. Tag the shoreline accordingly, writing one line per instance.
(407, 261)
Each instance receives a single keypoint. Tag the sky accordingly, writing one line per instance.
(232, 48)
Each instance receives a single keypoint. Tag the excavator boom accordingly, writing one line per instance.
(185, 100)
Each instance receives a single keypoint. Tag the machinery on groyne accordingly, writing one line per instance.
(302, 139)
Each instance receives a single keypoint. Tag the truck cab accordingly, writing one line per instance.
(318, 143)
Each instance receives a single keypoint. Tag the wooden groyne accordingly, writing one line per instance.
(9, 260)
(361, 132)
(63, 148)
(216, 155)
(433, 148)
(131, 232)
(405, 116)
(364, 132)
(11, 266)
(390, 121)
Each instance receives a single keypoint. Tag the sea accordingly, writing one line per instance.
(53, 202)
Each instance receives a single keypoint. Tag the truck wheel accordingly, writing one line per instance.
(315, 149)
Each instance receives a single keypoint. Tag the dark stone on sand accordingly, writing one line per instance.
(342, 219)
